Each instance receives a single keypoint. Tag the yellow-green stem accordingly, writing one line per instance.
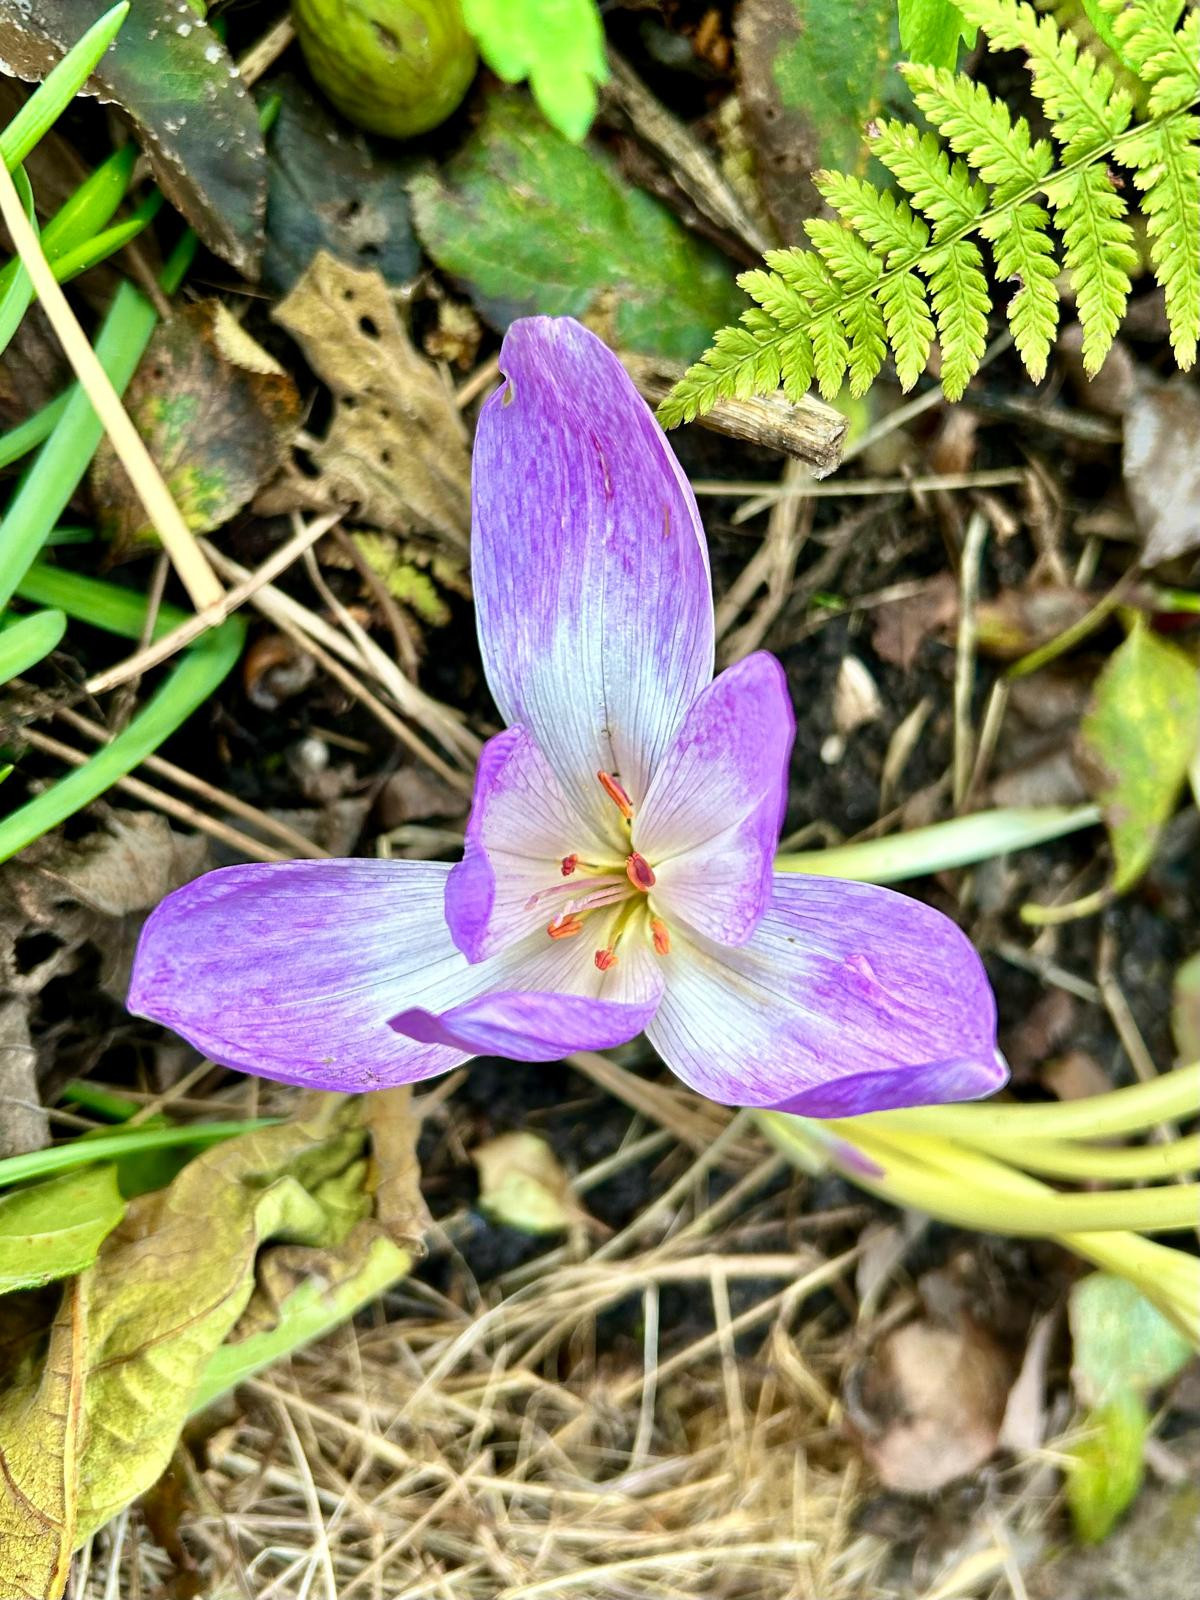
(1063, 1158)
(1173, 1097)
(975, 1191)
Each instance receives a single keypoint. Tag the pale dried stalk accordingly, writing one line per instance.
(195, 573)
(167, 803)
(292, 617)
(296, 843)
(809, 430)
(162, 649)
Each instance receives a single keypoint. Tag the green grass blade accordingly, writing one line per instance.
(112, 1146)
(47, 103)
(76, 237)
(27, 640)
(96, 602)
(35, 430)
(106, 243)
(959, 843)
(199, 671)
(16, 291)
(93, 204)
(57, 469)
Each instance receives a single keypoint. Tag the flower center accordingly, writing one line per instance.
(591, 886)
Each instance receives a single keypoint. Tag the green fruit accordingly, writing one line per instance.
(397, 67)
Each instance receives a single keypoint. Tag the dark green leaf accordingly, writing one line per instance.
(172, 75)
(533, 223)
(331, 189)
(811, 76)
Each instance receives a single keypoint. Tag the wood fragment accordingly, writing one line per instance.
(811, 432)
(627, 100)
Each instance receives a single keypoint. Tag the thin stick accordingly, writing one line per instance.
(263, 53)
(297, 844)
(964, 666)
(291, 617)
(179, 809)
(195, 574)
(153, 655)
(374, 705)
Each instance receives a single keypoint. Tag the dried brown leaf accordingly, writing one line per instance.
(902, 626)
(218, 414)
(128, 866)
(1162, 469)
(396, 447)
(928, 1403)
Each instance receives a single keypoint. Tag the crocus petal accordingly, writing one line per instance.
(559, 1000)
(522, 826)
(528, 1027)
(710, 823)
(589, 563)
(847, 998)
(291, 971)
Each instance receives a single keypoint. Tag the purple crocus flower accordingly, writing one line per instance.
(617, 876)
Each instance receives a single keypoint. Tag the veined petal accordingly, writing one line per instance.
(559, 1000)
(847, 998)
(521, 827)
(711, 821)
(589, 563)
(291, 971)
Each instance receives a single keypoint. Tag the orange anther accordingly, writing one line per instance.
(616, 794)
(606, 958)
(661, 935)
(565, 926)
(569, 863)
(640, 873)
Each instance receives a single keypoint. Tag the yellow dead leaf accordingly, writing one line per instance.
(40, 1421)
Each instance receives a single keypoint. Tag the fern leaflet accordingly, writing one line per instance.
(895, 266)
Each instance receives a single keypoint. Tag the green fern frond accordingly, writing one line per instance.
(1024, 251)
(1082, 100)
(981, 129)
(942, 189)
(1098, 253)
(1163, 55)
(1166, 168)
(864, 325)
(959, 292)
(891, 267)
(881, 218)
(909, 327)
